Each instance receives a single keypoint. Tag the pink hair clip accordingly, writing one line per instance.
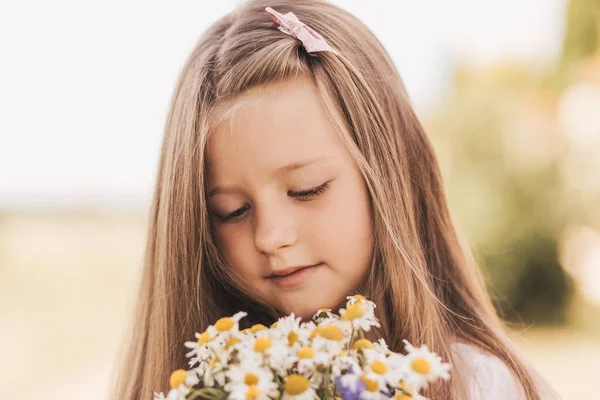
(290, 24)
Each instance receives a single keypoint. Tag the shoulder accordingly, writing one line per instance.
(484, 374)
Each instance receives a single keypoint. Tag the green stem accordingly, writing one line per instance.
(207, 393)
(352, 335)
(196, 394)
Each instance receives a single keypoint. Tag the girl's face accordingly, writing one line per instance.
(285, 193)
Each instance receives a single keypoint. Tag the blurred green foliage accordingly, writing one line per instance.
(509, 205)
(582, 35)
(500, 147)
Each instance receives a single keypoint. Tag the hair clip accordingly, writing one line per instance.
(291, 25)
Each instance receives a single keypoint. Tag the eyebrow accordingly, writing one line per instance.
(286, 169)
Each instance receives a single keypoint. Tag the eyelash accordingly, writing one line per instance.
(304, 194)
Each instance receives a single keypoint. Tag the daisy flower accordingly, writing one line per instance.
(382, 347)
(249, 380)
(387, 371)
(372, 389)
(357, 298)
(227, 325)
(228, 343)
(408, 392)
(259, 348)
(298, 387)
(201, 348)
(243, 392)
(424, 366)
(330, 337)
(359, 314)
(414, 396)
(171, 395)
(180, 382)
(214, 372)
(256, 328)
(345, 361)
(211, 378)
(310, 328)
(215, 339)
(280, 357)
(307, 359)
(290, 328)
(405, 391)
(293, 360)
(324, 313)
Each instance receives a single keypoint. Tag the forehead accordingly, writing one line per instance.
(270, 127)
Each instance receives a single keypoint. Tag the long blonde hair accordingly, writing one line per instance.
(432, 292)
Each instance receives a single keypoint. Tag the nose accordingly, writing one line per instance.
(275, 228)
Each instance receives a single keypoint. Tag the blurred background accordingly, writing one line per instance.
(509, 92)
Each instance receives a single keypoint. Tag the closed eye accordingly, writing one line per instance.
(303, 194)
(309, 193)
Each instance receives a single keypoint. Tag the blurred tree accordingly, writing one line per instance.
(501, 149)
(499, 146)
(582, 36)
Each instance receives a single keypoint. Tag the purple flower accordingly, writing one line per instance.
(350, 386)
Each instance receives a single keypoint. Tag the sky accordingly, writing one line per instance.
(85, 86)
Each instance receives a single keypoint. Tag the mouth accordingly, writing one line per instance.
(292, 276)
(289, 271)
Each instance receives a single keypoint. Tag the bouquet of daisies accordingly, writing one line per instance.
(328, 358)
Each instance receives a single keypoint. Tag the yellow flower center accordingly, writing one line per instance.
(262, 344)
(257, 327)
(370, 385)
(379, 367)
(359, 297)
(407, 388)
(292, 338)
(224, 324)
(331, 332)
(296, 384)
(252, 393)
(306, 352)
(314, 332)
(244, 331)
(421, 366)
(274, 325)
(213, 362)
(251, 379)
(363, 344)
(177, 378)
(204, 338)
(231, 341)
(353, 312)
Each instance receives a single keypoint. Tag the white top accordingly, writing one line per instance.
(485, 375)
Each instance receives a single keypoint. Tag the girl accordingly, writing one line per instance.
(293, 173)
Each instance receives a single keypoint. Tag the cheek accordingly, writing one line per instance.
(342, 231)
(237, 247)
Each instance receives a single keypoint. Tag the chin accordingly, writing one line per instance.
(307, 308)
(306, 313)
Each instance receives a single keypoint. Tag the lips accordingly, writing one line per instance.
(288, 271)
(294, 278)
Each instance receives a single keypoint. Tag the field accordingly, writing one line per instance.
(66, 290)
